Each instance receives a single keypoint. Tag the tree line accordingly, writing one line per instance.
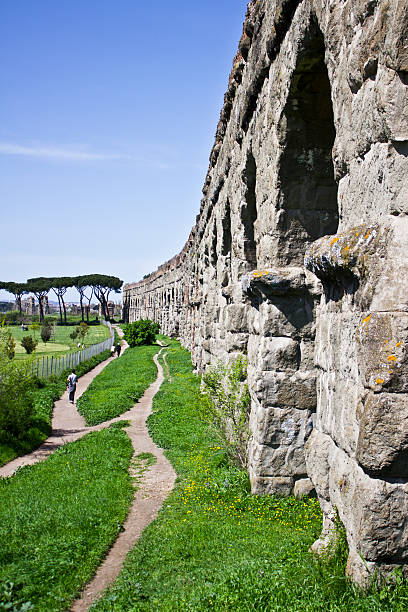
(89, 285)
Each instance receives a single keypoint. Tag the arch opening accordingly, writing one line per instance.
(308, 196)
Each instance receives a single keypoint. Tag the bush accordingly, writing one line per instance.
(140, 332)
(29, 344)
(7, 343)
(46, 331)
(226, 404)
(16, 409)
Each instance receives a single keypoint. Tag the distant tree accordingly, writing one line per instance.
(83, 329)
(34, 327)
(46, 330)
(141, 332)
(81, 283)
(40, 286)
(102, 286)
(29, 344)
(60, 285)
(18, 290)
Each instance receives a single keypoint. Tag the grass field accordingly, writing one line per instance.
(61, 344)
(216, 547)
(58, 519)
(119, 385)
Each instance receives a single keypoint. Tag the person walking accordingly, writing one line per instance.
(118, 349)
(72, 382)
(112, 350)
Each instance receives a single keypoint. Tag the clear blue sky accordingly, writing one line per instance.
(108, 111)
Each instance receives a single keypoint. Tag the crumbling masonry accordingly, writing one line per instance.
(299, 258)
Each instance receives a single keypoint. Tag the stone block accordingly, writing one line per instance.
(382, 343)
(304, 488)
(279, 354)
(280, 389)
(236, 318)
(272, 485)
(382, 448)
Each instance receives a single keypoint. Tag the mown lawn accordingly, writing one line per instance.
(59, 345)
(58, 519)
(122, 383)
(216, 547)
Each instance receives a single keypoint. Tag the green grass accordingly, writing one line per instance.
(44, 394)
(216, 547)
(60, 345)
(119, 385)
(59, 518)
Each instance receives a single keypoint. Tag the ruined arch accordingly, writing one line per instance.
(307, 203)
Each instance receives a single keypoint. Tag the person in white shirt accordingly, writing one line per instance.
(72, 382)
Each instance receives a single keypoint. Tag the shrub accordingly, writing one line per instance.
(139, 332)
(74, 334)
(7, 343)
(29, 344)
(15, 406)
(226, 405)
(46, 331)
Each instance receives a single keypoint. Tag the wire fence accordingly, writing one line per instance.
(51, 366)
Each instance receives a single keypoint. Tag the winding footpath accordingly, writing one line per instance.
(150, 491)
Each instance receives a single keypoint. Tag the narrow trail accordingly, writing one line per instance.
(151, 490)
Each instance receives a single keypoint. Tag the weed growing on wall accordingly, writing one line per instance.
(225, 405)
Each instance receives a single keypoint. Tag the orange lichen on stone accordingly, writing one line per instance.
(391, 358)
(367, 234)
(334, 240)
(366, 320)
(379, 381)
(398, 344)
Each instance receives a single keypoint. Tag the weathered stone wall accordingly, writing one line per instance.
(299, 258)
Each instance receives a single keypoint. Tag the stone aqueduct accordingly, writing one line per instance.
(299, 258)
